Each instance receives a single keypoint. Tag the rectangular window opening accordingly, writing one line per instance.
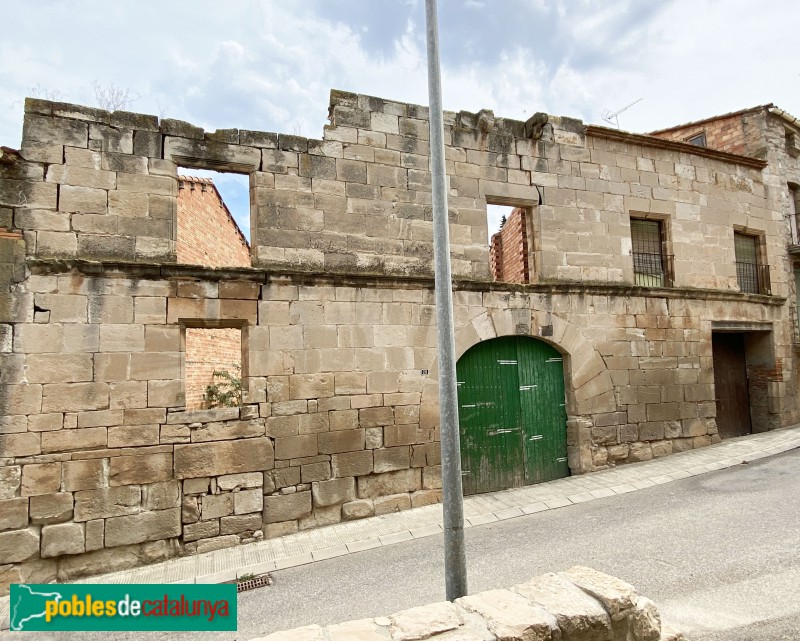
(792, 143)
(652, 266)
(213, 218)
(794, 212)
(213, 373)
(751, 272)
(509, 244)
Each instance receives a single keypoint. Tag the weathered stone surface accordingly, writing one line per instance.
(341, 441)
(51, 508)
(94, 532)
(216, 505)
(13, 513)
(146, 526)
(107, 502)
(161, 496)
(615, 595)
(145, 468)
(79, 439)
(248, 501)
(83, 475)
(19, 545)
(510, 616)
(286, 507)
(358, 509)
(65, 538)
(229, 482)
(10, 479)
(352, 463)
(424, 621)
(333, 491)
(41, 478)
(242, 523)
(201, 530)
(645, 621)
(392, 503)
(362, 630)
(579, 616)
(204, 459)
(389, 483)
(308, 633)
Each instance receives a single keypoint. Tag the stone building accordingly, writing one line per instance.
(607, 354)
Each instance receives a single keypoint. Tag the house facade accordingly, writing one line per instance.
(608, 350)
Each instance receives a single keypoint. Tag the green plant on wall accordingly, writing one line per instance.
(226, 390)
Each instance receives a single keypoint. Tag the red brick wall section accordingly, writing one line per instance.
(207, 233)
(208, 350)
(723, 134)
(509, 250)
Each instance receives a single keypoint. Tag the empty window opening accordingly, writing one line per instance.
(752, 274)
(652, 266)
(792, 143)
(509, 251)
(213, 374)
(213, 218)
(794, 212)
(698, 140)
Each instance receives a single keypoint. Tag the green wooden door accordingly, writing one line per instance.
(511, 414)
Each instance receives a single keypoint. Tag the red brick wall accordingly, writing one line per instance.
(207, 234)
(723, 134)
(208, 350)
(508, 252)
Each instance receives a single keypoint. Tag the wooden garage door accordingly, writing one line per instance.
(511, 414)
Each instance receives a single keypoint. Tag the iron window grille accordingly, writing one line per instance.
(753, 277)
(651, 266)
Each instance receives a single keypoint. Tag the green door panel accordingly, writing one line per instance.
(511, 414)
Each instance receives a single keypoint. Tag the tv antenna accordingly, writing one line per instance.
(612, 117)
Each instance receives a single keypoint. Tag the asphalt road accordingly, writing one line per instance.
(718, 553)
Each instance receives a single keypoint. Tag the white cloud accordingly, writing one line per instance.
(271, 65)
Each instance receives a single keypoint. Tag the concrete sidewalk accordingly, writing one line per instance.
(353, 536)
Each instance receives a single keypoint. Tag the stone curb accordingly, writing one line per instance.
(351, 537)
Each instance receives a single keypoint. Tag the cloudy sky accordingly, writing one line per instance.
(270, 64)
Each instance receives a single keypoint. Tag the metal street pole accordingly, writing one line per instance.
(455, 563)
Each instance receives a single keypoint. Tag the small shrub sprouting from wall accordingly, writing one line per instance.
(209, 352)
(226, 390)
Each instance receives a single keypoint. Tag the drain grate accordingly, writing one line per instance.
(255, 582)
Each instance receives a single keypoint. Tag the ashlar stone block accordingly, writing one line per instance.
(65, 538)
(107, 502)
(51, 508)
(333, 491)
(231, 457)
(146, 526)
(41, 478)
(18, 546)
(248, 501)
(286, 507)
(13, 513)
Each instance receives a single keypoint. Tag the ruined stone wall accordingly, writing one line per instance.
(103, 467)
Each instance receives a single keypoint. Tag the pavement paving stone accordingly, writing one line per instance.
(365, 544)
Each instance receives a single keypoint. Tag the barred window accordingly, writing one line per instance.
(751, 274)
(650, 265)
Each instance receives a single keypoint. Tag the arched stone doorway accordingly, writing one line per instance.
(511, 413)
